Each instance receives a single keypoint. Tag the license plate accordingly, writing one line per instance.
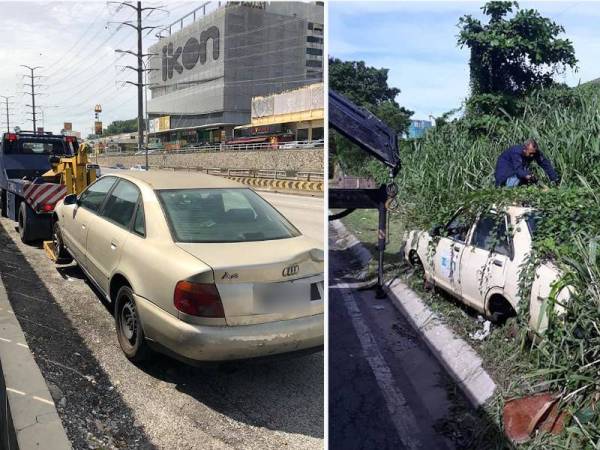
(278, 297)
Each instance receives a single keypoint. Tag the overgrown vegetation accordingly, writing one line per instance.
(367, 87)
(453, 165)
(511, 55)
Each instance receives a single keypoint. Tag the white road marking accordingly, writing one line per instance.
(43, 400)
(15, 391)
(400, 413)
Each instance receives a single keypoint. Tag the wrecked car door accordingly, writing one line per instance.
(448, 253)
(485, 259)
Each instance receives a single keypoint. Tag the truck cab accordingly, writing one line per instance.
(24, 158)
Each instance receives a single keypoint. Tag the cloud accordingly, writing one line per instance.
(75, 46)
(417, 42)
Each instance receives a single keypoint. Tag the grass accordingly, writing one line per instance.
(451, 167)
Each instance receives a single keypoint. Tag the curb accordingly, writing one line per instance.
(453, 352)
(35, 419)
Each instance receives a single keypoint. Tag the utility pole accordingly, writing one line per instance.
(7, 112)
(140, 69)
(32, 93)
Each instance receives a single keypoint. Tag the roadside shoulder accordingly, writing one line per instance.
(453, 352)
(36, 421)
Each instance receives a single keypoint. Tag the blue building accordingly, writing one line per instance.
(417, 128)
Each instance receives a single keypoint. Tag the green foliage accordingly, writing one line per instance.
(451, 168)
(510, 56)
(449, 160)
(121, 126)
(367, 87)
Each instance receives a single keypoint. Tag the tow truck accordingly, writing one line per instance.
(375, 137)
(36, 171)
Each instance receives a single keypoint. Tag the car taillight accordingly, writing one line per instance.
(46, 208)
(69, 138)
(198, 299)
(12, 137)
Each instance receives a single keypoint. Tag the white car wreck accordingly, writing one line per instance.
(479, 260)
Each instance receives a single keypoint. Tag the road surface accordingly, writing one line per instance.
(105, 401)
(304, 212)
(386, 389)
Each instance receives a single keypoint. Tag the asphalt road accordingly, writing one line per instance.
(304, 212)
(105, 401)
(386, 390)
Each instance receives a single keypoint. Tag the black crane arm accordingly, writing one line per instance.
(364, 129)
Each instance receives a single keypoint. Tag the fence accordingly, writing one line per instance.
(295, 145)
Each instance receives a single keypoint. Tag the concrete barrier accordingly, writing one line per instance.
(288, 185)
(299, 160)
(33, 414)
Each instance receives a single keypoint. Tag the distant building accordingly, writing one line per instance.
(206, 72)
(295, 115)
(417, 128)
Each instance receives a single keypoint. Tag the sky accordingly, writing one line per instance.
(74, 43)
(416, 41)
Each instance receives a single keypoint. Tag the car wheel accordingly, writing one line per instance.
(3, 203)
(59, 247)
(415, 261)
(129, 328)
(25, 223)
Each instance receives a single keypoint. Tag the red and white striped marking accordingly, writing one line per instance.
(44, 194)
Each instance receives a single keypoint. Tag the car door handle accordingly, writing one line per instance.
(83, 226)
(498, 263)
(113, 245)
(457, 248)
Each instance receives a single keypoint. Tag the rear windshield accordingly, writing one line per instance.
(222, 215)
(533, 220)
(37, 146)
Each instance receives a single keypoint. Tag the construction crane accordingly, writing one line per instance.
(376, 138)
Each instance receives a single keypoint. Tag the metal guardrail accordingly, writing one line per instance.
(296, 145)
(253, 173)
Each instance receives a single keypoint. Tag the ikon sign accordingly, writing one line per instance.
(188, 55)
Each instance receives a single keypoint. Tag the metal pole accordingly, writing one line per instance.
(140, 85)
(33, 101)
(7, 112)
(146, 106)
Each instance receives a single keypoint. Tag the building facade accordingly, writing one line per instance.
(205, 75)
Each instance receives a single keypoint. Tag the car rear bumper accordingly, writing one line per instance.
(204, 343)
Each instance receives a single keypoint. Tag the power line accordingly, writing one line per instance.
(139, 28)
(6, 98)
(32, 77)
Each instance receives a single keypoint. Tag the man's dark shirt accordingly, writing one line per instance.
(513, 163)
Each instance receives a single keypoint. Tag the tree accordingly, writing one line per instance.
(511, 56)
(121, 126)
(367, 87)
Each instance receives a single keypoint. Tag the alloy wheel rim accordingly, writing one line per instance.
(129, 322)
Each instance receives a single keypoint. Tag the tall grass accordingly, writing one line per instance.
(450, 161)
(451, 166)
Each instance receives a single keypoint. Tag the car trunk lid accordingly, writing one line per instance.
(265, 281)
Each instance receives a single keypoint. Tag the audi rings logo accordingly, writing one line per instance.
(290, 270)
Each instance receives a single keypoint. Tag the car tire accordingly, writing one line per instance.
(129, 328)
(63, 255)
(3, 204)
(25, 228)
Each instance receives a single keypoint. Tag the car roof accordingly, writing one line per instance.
(162, 179)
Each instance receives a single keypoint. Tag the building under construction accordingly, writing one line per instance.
(211, 63)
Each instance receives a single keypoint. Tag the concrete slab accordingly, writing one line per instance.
(34, 414)
(457, 356)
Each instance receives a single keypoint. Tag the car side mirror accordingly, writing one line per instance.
(435, 231)
(70, 199)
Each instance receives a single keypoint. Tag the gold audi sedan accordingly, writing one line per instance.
(198, 267)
